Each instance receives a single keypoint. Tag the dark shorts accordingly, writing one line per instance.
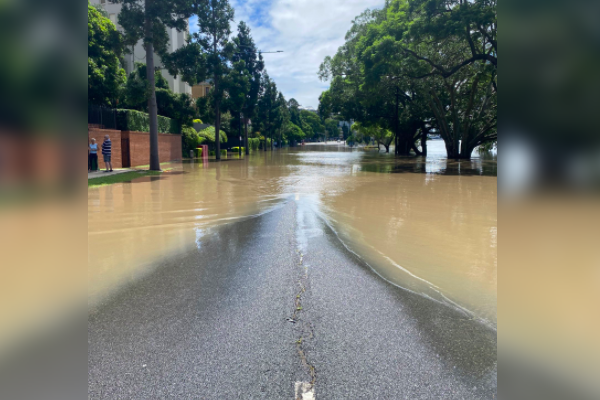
(106, 157)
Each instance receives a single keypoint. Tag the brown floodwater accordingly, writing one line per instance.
(428, 225)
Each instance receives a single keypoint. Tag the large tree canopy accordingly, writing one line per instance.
(180, 106)
(148, 20)
(417, 65)
(105, 49)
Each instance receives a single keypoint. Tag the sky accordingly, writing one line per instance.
(306, 30)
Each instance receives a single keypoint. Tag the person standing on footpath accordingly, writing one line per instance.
(93, 156)
(107, 152)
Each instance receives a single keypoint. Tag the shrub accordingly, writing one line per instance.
(197, 121)
(189, 140)
(132, 120)
(223, 153)
(352, 140)
(237, 149)
(253, 143)
(209, 135)
(198, 153)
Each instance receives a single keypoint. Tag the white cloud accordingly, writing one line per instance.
(306, 30)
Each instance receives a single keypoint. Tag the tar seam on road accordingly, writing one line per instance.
(303, 390)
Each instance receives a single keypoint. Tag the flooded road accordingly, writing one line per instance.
(426, 225)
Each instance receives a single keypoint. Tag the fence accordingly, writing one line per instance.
(104, 117)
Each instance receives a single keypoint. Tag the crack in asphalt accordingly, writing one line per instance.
(305, 328)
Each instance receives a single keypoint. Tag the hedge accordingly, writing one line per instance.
(209, 135)
(132, 120)
(223, 153)
(237, 149)
(253, 143)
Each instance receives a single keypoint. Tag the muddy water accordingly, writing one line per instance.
(428, 225)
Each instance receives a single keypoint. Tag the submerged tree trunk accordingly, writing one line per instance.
(152, 106)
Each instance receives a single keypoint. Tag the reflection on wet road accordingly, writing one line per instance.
(427, 225)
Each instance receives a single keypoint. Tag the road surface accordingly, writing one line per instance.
(275, 307)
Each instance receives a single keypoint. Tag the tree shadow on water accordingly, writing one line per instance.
(476, 167)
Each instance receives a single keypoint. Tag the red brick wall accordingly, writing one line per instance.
(115, 138)
(169, 147)
(43, 160)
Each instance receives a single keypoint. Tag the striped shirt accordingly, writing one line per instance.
(106, 147)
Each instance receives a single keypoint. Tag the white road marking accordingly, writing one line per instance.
(304, 391)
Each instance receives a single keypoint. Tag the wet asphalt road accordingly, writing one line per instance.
(214, 324)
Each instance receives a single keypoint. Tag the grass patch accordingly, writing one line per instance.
(161, 165)
(124, 177)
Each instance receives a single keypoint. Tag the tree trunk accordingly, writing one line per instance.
(217, 107)
(152, 106)
(416, 150)
(450, 151)
(241, 143)
(424, 142)
(217, 127)
(403, 146)
(246, 136)
(465, 151)
(396, 123)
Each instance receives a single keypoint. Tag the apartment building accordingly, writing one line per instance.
(201, 89)
(138, 52)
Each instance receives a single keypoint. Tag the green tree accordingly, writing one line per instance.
(418, 64)
(293, 132)
(445, 22)
(134, 94)
(312, 124)
(148, 20)
(332, 128)
(105, 50)
(283, 117)
(214, 29)
(237, 86)
(294, 109)
(254, 65)
(268, 107)
(180, 107)
(325, 105)
(380, 135)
